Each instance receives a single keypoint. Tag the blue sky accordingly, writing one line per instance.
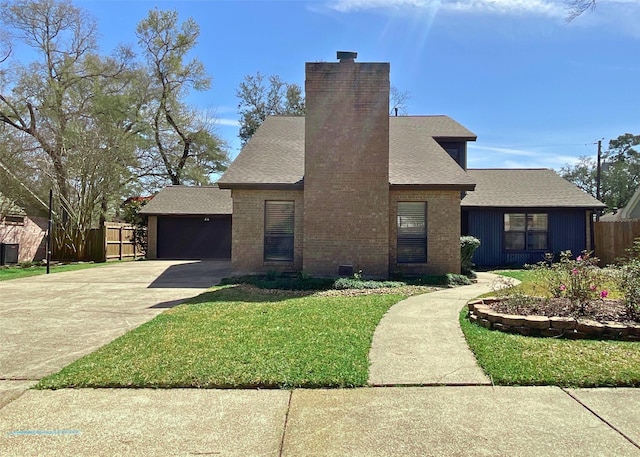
(538, 92)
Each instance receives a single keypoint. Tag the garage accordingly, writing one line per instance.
(194, 237)
(189, 223)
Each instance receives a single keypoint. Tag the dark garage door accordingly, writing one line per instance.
(202, 237)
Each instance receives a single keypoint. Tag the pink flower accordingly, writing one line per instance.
(604, 294)
(574, 271)
(563, 287)
(579, 258)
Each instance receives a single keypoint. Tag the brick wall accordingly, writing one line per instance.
(443, 231)
(247, 248)
(346, 181)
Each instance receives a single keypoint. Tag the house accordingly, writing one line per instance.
(189, 223)
(520, 214)
(348, 188)
(629, 212)
(22, 237)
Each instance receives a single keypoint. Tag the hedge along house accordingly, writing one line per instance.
(347, 187)
(521, 214)
(189, 223)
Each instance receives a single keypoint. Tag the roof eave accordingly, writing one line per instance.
(262, 186)
(494, 206)
(456, 187)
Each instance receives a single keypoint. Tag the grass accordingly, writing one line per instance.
(7, 274)
(518, 360)
(234, 337)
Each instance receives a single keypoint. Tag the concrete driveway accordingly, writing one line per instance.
(50, 321)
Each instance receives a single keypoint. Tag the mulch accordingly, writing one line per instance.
(605, 310)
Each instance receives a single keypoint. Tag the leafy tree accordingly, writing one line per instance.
(257, 101)
(260, 98)
(51, 112)
(183, 147)
(620, 172)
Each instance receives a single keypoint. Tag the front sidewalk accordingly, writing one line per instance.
(372, 421)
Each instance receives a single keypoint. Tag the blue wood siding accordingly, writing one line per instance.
(567, 231)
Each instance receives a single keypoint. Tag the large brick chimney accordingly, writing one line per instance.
(346, 179)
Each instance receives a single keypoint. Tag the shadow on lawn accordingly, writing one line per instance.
(241, 293)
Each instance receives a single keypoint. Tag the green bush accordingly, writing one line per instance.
(629, 281)
(468, 245)
(354, 283)
(580, 280)
(450, 279)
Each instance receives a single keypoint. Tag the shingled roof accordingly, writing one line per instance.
(527, 188)
(189, 201)
(274, 157)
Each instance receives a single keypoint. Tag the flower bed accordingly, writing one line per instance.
(481, 312)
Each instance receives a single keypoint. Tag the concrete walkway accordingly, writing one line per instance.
(49, 321)
(419, 341)
(367, 422)
(439, 420)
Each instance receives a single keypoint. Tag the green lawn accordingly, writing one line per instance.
(238, 337)
(18, 272)
(518, 360)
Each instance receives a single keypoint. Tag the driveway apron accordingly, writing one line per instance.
(419, 340)
(51, 320)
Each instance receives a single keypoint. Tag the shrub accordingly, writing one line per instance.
(354, 283)
(468, 245)
(576, 279)
(629, 281)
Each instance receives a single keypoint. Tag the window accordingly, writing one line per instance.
(412, 232)
(526, 231)
(13, 220)
(278, 231)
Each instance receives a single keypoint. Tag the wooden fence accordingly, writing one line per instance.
(112, 241)
(613, 238)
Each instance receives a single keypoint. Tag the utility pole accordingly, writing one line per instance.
(598, 176)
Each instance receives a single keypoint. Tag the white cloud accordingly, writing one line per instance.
(519, 7)
(228, 122)
(346, 6)
(502, 150)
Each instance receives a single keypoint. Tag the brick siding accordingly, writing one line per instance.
(346, 181)
(247, 248)
(152, 238)
(443, 231)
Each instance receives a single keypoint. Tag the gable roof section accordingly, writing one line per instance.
(189, 201)
(527, 188)
(274, 157)
(630, 211)
(416, 158)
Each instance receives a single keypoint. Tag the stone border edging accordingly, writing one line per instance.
(550, 327)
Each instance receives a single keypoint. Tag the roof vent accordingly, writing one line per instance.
(347, 56)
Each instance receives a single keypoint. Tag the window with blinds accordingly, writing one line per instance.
(278, 231)
(412, 232)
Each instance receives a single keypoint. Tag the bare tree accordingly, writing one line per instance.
(398, 101)
(577, 7)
